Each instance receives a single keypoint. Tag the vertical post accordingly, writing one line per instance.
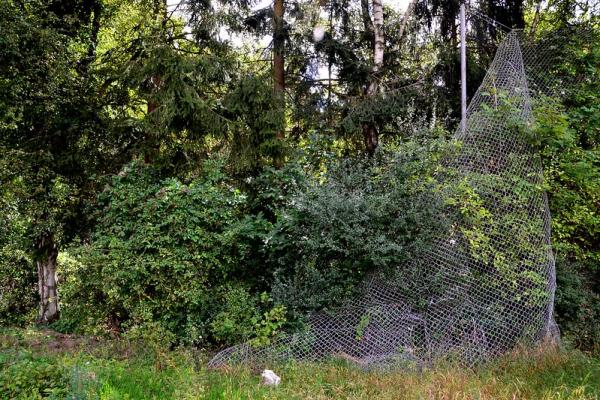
(463, 69)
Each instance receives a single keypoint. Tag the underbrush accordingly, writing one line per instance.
(43, 364)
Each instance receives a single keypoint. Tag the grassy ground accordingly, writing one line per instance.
(35, 364)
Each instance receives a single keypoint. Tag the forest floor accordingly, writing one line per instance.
(41, 363)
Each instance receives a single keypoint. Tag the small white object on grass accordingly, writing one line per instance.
(269, 378)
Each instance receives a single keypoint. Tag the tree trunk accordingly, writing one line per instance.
(406, 16)
(97, 10)
(536, 19)
(370, 134)
(517, 14)
(278, 48)
(367, 22)
(379, 40)
(47, 288)
(279, 69)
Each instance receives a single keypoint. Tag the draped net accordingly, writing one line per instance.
(485, 287)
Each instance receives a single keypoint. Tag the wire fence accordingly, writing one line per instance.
(488, 284)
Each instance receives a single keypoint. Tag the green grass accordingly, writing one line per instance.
(35, 364)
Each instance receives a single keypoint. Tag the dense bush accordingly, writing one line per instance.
(569, 138)
(29, 377)
(572, 169)
(357, 216)
(203, 262)
(167, 253)
(18, 277)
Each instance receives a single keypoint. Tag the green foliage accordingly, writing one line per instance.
(17, 274)
(104, 372)
(38, 132)
(18, 279)
(174, 94)
(567, 133)
(270, 325)
(166, 252)
(240, 319)
(577, 303)
(494, 207)
(573, 177)
(26, 376)
(53, 135)
(256, 137)
(190, 98)
(358, 216)
(362, 325)
(49, 208)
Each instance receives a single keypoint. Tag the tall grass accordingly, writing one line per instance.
(31, 366)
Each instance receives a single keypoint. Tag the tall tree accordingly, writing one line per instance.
(53, 128)
(279, 36)
(278, 47)
(370, 133)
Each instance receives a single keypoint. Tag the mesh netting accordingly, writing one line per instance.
(489, 284)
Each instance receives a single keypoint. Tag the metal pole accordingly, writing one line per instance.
(463, 69)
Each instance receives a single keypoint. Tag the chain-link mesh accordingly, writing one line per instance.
(485, 287)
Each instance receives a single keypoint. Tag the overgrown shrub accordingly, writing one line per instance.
(240, 318)
(29, 377)
(577, 304)
(167, 252)
(18, 280)
(572, 170)
(357, 216)
(18, 277)
(568, 133)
